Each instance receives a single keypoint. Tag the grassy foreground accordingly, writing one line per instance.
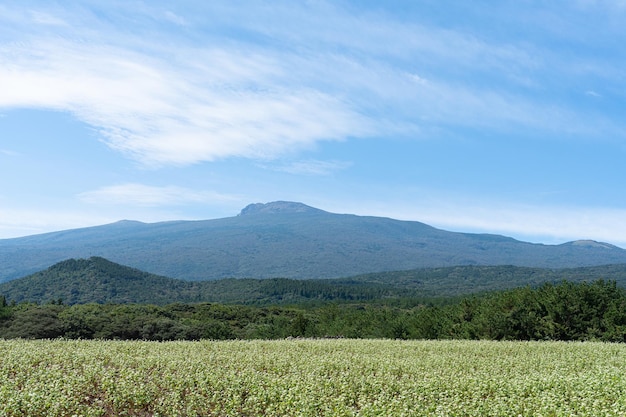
(312, 378)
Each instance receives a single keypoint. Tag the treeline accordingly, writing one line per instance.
(563, 311)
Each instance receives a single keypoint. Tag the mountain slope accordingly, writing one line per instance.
(290, 240)
(97, 280)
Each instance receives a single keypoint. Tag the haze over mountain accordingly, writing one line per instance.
(291, 240)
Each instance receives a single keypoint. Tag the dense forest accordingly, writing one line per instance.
(561, 311)
(98, 280)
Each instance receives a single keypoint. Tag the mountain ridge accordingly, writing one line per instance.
(289, 240)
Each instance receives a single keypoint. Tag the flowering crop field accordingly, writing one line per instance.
(311, 378)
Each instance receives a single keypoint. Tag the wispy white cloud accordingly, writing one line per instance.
(149, 196)
(174, 18)
(8, 152)
(547, 224)
(534, 223)
(17, 222)
(43, 18)
(311, 167)
(319, 73)
(176, 105)
(611, 5)
(159, 114)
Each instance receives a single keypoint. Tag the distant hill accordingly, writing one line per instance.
(469, 279)
(289, 240)
(98, 280)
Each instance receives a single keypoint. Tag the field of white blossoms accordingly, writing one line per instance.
(311, 378)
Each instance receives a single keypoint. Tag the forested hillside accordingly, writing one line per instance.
(98, 280)
(96, 298)
(565, 311)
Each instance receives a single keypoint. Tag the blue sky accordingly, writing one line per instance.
(499, 117)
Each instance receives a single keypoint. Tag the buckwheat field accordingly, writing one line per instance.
(311, 378)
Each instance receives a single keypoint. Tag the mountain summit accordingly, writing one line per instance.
(289, 240)
(277, 207)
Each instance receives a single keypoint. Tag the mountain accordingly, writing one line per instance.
(289, 240)
(98, 280)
